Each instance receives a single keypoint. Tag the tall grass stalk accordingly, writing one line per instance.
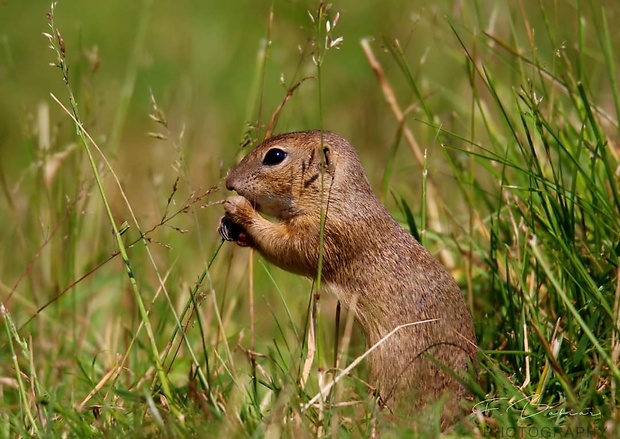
(25, 400)
(57, 45)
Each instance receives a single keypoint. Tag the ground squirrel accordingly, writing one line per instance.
(369, 261)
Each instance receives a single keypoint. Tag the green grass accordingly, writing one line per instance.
(123, 313)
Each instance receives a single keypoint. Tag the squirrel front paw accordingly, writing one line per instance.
(239, 210)
(238, 213)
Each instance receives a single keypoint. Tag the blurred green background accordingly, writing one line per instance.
(203, 63)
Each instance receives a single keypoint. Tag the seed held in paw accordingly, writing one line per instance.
(229, 231)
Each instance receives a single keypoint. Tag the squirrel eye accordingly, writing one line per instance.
(274, 156)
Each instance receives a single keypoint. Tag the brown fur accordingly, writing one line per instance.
(368, 259)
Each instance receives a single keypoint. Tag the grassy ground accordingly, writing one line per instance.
(490, 129)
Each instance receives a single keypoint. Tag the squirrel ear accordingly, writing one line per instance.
(328, 160)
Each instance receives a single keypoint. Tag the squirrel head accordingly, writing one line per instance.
(285, 175)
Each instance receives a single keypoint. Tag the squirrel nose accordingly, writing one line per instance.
(230, 183)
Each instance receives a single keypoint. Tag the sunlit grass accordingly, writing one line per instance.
(493, 130)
